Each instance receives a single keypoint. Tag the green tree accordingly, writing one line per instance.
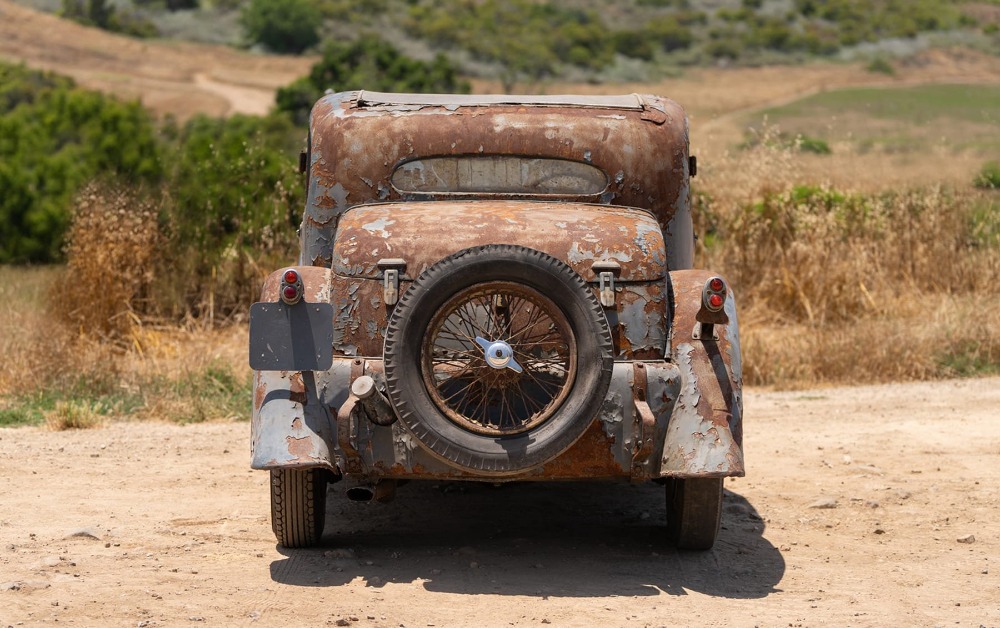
(287, 26)
(368, 63)
(529, 40)
(54, 138)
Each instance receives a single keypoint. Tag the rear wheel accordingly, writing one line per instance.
(298, 506)
(694, 512)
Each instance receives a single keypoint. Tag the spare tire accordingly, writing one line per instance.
(497, 358)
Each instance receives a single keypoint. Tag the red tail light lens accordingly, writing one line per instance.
(291, 287)
(713, 295)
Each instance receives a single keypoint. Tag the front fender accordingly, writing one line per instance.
(704, 436)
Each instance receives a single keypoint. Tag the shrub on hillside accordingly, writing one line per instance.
(53, 139)
(528, 39)
(368, 63)
(232, 191)
(105, 15)
(989, 177)
(285, 26)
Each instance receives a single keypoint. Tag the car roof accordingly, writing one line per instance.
(632, 102)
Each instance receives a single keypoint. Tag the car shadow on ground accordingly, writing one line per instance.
(534, 539)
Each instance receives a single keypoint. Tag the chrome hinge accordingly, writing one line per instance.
(390, 268)
(606, 272)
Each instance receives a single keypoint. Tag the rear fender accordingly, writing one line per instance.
(704, 436)
(291, 425)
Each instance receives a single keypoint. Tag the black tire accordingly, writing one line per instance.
(298, 506)
(569, 366)
(694, 512)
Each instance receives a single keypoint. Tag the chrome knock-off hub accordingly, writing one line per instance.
(498, 354)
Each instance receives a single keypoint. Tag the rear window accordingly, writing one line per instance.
(498, 174)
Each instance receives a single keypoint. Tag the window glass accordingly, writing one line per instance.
(498, 174)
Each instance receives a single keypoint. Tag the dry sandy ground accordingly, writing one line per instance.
(155, 524)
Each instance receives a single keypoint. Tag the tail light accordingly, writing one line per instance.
(714, 295)
(712, 311)
(291, 287)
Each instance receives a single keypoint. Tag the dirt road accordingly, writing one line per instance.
(155, 525)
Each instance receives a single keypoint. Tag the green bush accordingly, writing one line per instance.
(233, 191)
(369, 63)
(103, 14)
(670, 34)
(529, 40)
(989, 177)
(286, 26)
(879, 65)
(813, 145)
(53, 139)
(222, 193)
(869, 20)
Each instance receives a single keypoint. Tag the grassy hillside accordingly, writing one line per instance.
(942, 119)
(525, 41)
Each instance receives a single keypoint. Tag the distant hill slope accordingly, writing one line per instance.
(185, 78)
(167, 76)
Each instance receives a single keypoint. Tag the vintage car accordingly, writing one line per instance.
(496, 289)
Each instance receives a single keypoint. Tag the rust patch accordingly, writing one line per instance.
(589, 457)
(300, 448)
(259, 391)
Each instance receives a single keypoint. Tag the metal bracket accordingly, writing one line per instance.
(705, 331)
(391, 267)
(606, 272)
(646, 428)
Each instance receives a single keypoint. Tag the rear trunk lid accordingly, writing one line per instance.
(422, 233)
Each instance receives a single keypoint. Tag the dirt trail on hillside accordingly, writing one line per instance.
(870, 506)
(168, 77)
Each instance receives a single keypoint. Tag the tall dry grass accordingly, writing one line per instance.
(112, 250)
(843, 287)
(80, 344)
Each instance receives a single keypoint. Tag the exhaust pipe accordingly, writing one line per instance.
(383, 492)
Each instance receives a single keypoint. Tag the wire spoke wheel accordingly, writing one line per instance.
(480, 396)
(497, 359)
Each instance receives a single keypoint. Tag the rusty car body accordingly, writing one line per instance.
(496, 288)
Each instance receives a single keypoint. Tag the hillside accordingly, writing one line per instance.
(182, 78)
(172, 77)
